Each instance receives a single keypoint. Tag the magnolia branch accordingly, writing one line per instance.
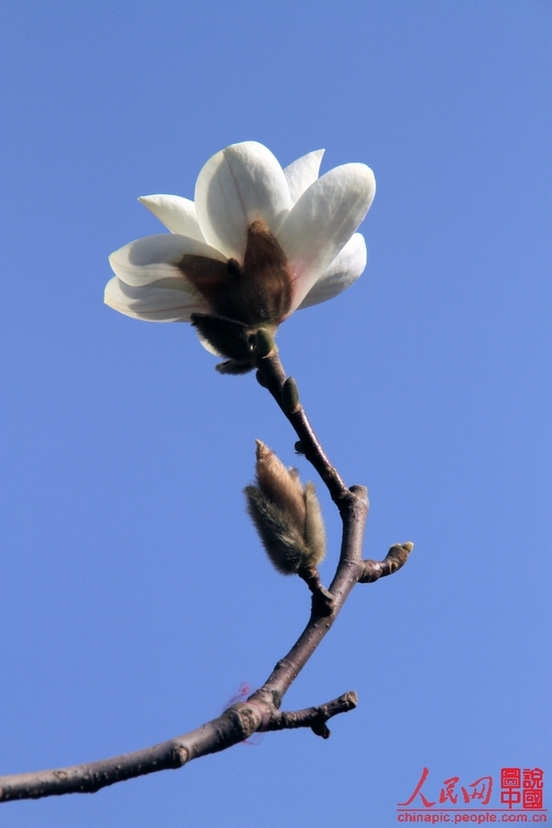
(235, 725)
(271, 375)
(261, 711)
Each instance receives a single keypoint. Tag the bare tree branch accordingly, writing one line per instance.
(261, 711)
(271, 375)
(235, 725)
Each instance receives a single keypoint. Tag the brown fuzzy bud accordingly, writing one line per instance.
(286, 513)
(315, 533)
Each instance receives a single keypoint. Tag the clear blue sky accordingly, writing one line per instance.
(134, 595)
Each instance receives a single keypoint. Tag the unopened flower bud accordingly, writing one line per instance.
(286, 513)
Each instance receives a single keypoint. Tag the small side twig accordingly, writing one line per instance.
(322, 600)
(393, 561)
(314, 717)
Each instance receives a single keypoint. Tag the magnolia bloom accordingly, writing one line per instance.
(258, 243)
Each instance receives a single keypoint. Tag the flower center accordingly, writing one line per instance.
(255, 292)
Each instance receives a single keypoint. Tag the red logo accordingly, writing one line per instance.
(521, 789)
(533, 788)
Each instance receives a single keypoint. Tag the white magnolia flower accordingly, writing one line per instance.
(258, 243)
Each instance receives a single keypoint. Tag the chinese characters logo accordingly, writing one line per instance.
(453, 800)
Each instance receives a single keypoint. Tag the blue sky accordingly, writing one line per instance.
(134, 595)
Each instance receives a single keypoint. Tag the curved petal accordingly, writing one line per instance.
(323, 221)
(343, 271)
(303, 172)
(176, 213)
(152, 303)
(236, 186)
(156, 257)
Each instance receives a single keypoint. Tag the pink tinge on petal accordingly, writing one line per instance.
(323, 221)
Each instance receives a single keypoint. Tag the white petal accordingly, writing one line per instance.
(302, 173)
(236, 186)
(152, 303)
(343, 271)
(176, 213)
(155, 257)
(323, 221)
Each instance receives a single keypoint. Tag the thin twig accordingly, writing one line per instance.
(314, 717)
(272, 376)
(393, 561)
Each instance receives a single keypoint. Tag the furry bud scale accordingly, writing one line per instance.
(286, 514)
